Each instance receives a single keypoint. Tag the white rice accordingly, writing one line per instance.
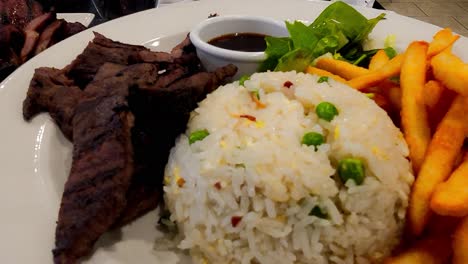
(272, 181)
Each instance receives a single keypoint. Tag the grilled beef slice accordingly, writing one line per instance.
(49, 36)
(95, 194)
(51, 91)
(136, 110)
(107, 70)
(103, 50)
(98, 52)
(28, 20)
(135, 76)
(12, 37)
(40, 22)
(161, 115)
(72, 28)
(32, 34)
(16, 12)
(101, 173)
(11, 41)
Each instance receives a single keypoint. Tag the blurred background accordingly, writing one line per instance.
(103, 9)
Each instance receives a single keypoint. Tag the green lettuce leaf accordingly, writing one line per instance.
(354, 25)
(302, 36)
(276, 48)
(339, 28)
(296, 60)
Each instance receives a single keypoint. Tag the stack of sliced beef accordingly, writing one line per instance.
(122, 106)
(26, 30)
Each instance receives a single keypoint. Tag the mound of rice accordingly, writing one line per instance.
(246, 193)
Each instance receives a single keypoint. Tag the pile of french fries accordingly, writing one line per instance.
(431, 105)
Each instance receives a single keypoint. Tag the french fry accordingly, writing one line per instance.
(390, 69)
(440, 225)
(440, 157)
(430, 250)
(460, 243)
(413, 113)
(341, 68)
(437, 112)
(461, 157)
(382, 102)
(451, 72)
(378, 60)
(451, 197)
(441, 41)
(432, 93)
(393, 94)
(373, 89)
(392, 91)
(320, 72)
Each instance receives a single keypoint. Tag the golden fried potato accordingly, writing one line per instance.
(341, 68)
(441, 41)
(413, 113)
(320, 72)
(432, 92)
(390, 69)
(429, 250)
(451, 197)
(438, 111)
(460, 243)
(393, 93)
(451, 72)
(378, 60)
(442, 225)
(383, 102)
(437, 166)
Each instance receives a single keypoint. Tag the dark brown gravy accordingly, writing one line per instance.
(251, 42)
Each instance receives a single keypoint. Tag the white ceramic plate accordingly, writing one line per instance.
(83, 18)
(35, 157)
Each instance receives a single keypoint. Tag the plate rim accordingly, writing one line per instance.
(10, 113)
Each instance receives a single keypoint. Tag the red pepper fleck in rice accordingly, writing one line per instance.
(249, 117)
(287, 84)
(235, 220)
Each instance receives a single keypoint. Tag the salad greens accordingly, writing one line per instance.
(391, 52)
(338, 29)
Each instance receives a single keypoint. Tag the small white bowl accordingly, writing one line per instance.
(213, 57)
